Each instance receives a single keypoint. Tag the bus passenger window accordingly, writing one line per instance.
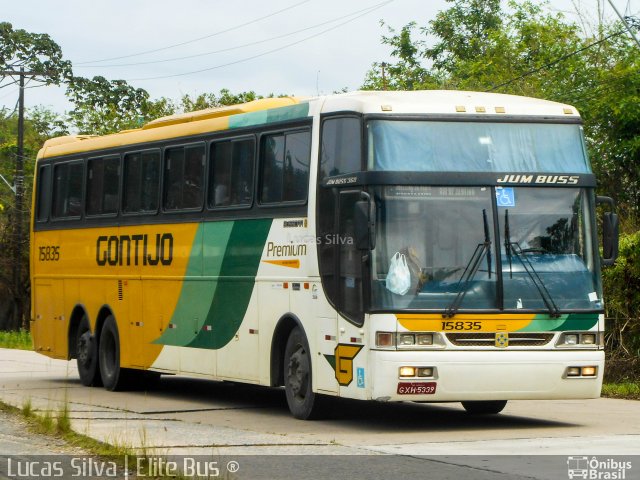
(285, 167)
(103, 182)
(141, 177)
(43, 199)
(184, 170)
(67, 190)
(231, 173)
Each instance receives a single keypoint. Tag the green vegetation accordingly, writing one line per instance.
(628, 390)
(58, 424)
(20, 340)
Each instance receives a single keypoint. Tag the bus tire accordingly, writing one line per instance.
(303, 402)
(487, 407)
(113, 377)
(87, 355)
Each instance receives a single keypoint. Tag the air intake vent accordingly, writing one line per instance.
(119, 289)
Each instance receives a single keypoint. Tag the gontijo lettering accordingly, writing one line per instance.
(137, 249)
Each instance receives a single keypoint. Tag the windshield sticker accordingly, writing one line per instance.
(505, 196)
(593, 296)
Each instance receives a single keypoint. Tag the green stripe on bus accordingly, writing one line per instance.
(189, 315)
(579, 321)
(235, 284)
(572, 321)
(269, 116)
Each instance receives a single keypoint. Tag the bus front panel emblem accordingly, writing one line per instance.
(502, 339)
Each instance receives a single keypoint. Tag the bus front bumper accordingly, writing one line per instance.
(485, 375)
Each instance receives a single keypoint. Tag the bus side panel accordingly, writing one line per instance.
(48, 315)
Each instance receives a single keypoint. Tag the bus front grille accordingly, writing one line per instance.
(522, 339)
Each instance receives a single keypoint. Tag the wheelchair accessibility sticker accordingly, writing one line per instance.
(505, 196)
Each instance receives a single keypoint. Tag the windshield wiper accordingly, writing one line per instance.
(514, 249)
(482, 250)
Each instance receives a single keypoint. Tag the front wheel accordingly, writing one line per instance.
(487, 407)
(302, 401)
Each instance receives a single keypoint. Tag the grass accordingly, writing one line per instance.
(628, 390)
(58, 424)
(20, 340)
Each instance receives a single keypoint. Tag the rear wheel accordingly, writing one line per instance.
(87, 355)
(487, 407)
(113, 377)
(303, 402)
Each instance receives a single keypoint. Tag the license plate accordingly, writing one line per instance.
(416, 388)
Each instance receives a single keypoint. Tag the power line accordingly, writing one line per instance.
(246, 59)
(199, 38)
(186, 57)
(554, 62)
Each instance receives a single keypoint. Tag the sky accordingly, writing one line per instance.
(299, 47)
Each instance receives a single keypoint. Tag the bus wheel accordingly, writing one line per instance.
(488, 407)
(87, 355)
(303, 403)
(113, 377)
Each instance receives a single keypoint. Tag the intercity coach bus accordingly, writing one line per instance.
(431, 246)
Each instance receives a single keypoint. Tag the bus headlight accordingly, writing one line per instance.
(409, 340)
(578, 339)
(406, 339)
(570, 339)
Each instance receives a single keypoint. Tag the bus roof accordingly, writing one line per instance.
(435, 102)
(446, 102)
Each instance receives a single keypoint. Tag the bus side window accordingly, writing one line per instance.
(103, 181)
(285, 167)
(231, 173)
(67, 190)
(341, 147)
(141, 177)
(184, 171)
(43, 200)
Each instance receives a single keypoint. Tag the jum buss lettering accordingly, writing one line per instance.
(143, 249)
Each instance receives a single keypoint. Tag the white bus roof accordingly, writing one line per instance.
(444, 102)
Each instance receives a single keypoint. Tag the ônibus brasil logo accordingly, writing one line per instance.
(597, 469)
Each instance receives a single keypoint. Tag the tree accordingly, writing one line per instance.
(33, 52)
(212, 100)
(24, 58)
(104, 106)
(407, 73)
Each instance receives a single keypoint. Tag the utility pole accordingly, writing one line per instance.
(18, 220)
(18, 213)
(384, 75)
(624, 22)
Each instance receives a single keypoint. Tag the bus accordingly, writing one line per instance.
(424, 246)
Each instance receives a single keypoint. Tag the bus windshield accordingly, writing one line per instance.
(448, 238)
(436, 146)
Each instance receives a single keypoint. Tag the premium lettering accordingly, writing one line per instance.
(274, 250)
(134, 250)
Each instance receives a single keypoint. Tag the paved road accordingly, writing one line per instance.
(196, 417)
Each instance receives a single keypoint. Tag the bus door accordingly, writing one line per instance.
(350, 362)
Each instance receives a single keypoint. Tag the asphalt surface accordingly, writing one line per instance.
(251, 426)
